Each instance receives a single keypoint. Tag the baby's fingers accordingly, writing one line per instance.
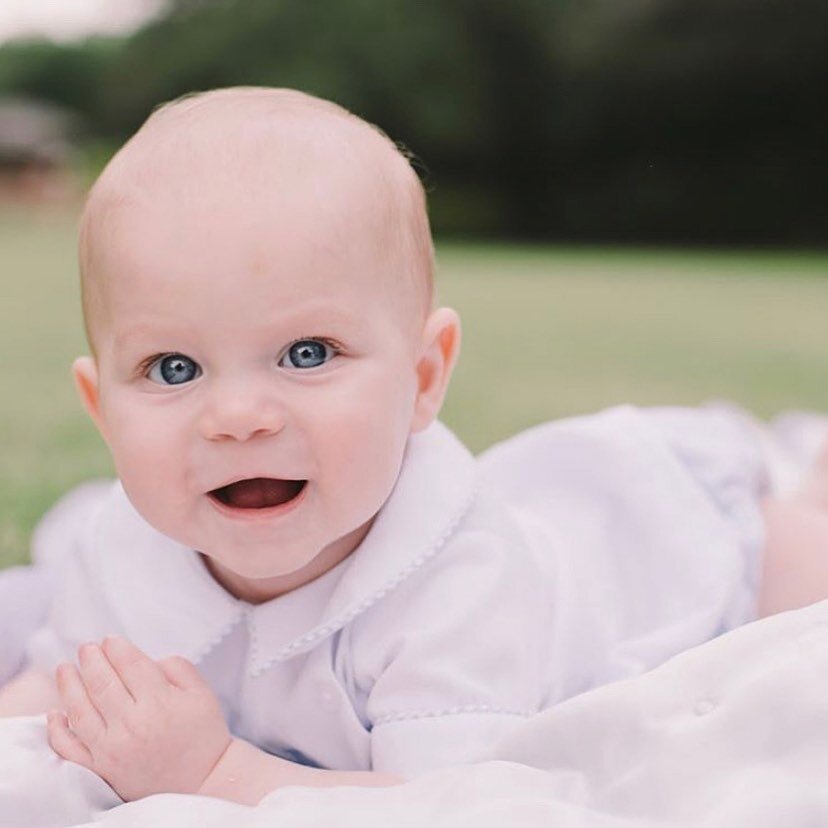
(139, 673)
(65, 743)
(84, 718)
(183, 673)
(103, 684)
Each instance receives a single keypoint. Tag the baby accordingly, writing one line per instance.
(364, 600)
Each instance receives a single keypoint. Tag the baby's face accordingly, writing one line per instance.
(252, 344)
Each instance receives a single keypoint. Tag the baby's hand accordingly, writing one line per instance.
(145, 727)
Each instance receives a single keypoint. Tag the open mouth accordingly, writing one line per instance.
(258, 493)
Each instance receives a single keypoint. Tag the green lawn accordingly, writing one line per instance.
(548, 332)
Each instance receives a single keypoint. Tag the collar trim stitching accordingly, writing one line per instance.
(488, 709)
(321, 631)
(200, 654)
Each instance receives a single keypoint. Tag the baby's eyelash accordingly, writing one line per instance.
(144, 365)
(331, 343)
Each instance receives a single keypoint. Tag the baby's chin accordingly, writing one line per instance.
(257, 581)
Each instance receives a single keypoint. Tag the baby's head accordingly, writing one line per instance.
(257, 269)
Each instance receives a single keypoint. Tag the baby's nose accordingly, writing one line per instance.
(240, 413)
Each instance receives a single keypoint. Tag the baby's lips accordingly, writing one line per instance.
(258, 492)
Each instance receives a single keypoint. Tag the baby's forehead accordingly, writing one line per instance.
(255, 158)
(289, 146)
(304, 162)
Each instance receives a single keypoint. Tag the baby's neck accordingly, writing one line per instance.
(260, 590)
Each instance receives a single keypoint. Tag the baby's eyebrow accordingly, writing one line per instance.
(137, 333)
(310, 322)
(315, 316)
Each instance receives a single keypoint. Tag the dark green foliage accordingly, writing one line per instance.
(670, 120)
(68, 75)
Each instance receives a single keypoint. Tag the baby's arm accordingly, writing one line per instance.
(151, 727)
(29, 694)
(246, 775)
(795, 571)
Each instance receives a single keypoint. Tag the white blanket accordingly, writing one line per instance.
(732, 733)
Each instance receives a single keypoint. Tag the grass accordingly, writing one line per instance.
(548, 332)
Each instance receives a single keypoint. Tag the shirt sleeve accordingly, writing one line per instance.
(653, 520)
(722, 449)
(454, 659)
(76, 611)
(24, 597)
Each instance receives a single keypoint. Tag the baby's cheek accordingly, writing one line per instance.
(365, 453)
(141, 461)
(152, 462)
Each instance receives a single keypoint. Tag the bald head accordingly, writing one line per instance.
(267, 153)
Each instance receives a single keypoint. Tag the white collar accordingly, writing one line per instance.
(188, 613)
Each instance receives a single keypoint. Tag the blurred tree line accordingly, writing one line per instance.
(612, 120)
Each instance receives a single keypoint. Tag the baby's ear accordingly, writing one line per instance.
(440, 347)
(85, 374)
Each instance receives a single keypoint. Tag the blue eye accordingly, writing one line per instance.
(307, 353)
(173, 369)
